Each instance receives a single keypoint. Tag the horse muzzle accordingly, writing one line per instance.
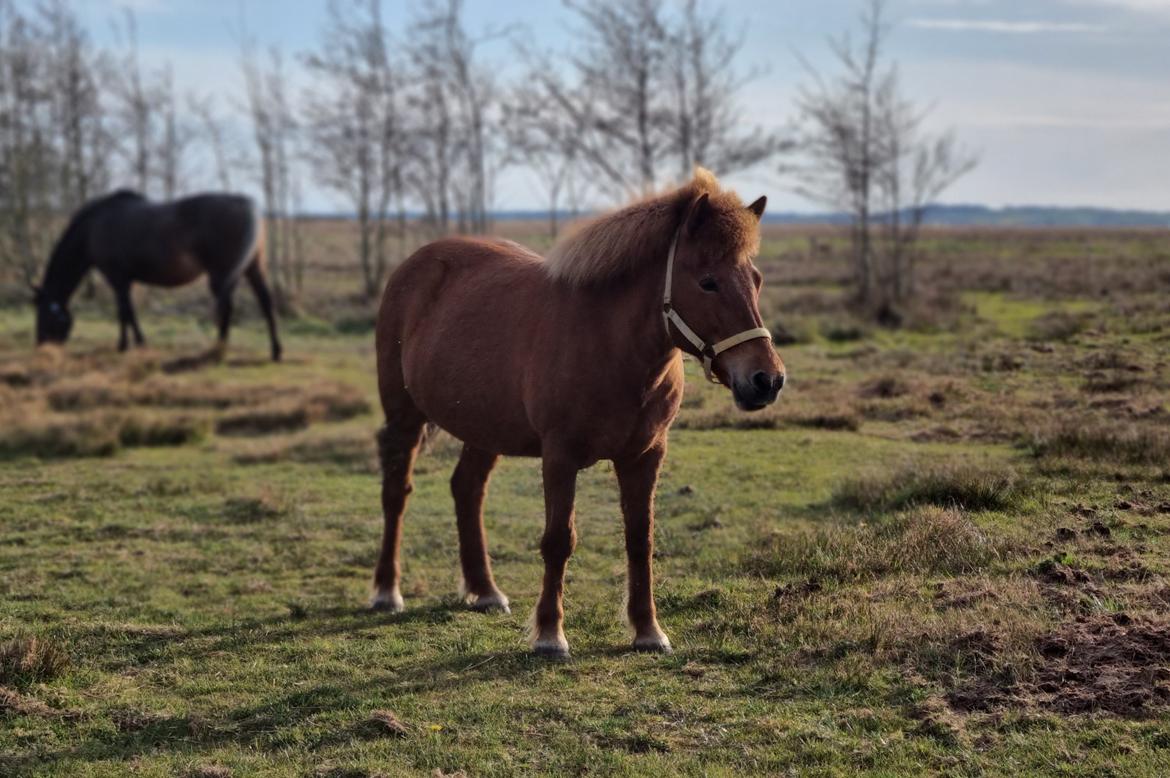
(759, 392)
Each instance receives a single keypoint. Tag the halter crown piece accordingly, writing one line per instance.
(707, 352)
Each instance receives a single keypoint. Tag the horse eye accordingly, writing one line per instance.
(708, 285)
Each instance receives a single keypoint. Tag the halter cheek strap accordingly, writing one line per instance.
(707, 352)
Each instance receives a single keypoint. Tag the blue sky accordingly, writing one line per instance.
(1066, 101)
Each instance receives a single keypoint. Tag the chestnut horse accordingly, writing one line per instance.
(573, 359)
(130, 239)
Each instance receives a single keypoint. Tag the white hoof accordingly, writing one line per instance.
(389, 601)
(658, 643)
(489, 603)
(553, 648)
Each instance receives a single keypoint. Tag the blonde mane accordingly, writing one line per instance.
(619, 242)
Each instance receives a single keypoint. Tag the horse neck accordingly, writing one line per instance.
(635, 330)
(68, 264)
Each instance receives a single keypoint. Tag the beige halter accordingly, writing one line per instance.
(708, 352)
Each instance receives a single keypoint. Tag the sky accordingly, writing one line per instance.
(1066, 102)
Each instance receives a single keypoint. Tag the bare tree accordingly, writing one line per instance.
(655, 89)
(544, 139)
(215, 137)
(275, 132)
(708, 119)
(174, 137)
(354, 126)
(457, 98)
(622, 67)
(136, 97)
(28, 161)
(864, 150)
(75, 70)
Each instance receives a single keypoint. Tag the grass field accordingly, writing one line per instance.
(946, 550)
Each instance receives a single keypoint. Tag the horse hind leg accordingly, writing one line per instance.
(255, 276)
(222, 292)
(398, 444)
(468, 487)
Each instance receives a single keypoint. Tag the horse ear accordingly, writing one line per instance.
(697, 214)
(758, 207)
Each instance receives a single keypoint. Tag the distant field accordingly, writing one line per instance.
(946, 550)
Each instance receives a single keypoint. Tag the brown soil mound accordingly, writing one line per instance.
(1111, 663)
(1114, 663)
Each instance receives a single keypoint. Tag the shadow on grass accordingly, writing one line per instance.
(279, 722)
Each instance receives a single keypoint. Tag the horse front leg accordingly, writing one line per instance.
(560, 537)
(126, 318)
(637, 478)
(223, 312)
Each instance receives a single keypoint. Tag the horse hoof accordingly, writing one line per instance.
(387, 602)
(491, 603)
(658, 644)
(551, 649)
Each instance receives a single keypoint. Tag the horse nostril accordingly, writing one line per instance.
(779, 381)
(762, 382)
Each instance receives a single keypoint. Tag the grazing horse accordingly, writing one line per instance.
(130, 239)
(574, 359)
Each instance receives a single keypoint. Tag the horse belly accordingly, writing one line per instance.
(469, 386)
(182, 269)
(476, 409)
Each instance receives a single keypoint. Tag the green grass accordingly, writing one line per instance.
(836, 593)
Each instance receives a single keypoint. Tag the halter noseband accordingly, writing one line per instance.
(707, 352)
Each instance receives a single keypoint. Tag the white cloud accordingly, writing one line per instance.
(1150, 6)
(1001, 26)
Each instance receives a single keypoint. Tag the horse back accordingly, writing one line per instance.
(173, 243)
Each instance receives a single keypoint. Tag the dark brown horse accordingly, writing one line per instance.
(572, 359)
(132, 240)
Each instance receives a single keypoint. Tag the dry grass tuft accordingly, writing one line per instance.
(386, 723)
(54, 436)
(1115, 440)
(325, 402)
(141, 429)
(252, 510)
(280, 416)
(27, 660)
(838, 417)
(1059, 326)
(923, 540)
(208, 771)
(348, 450)
(973, 487)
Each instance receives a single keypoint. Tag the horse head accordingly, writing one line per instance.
(713, 290)
(54, 321)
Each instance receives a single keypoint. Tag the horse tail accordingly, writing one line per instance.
(254, 243)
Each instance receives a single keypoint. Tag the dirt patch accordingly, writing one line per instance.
(14, 703)
(1057, 571)
(1112, 663)
(1102, 663)
(961, 594)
